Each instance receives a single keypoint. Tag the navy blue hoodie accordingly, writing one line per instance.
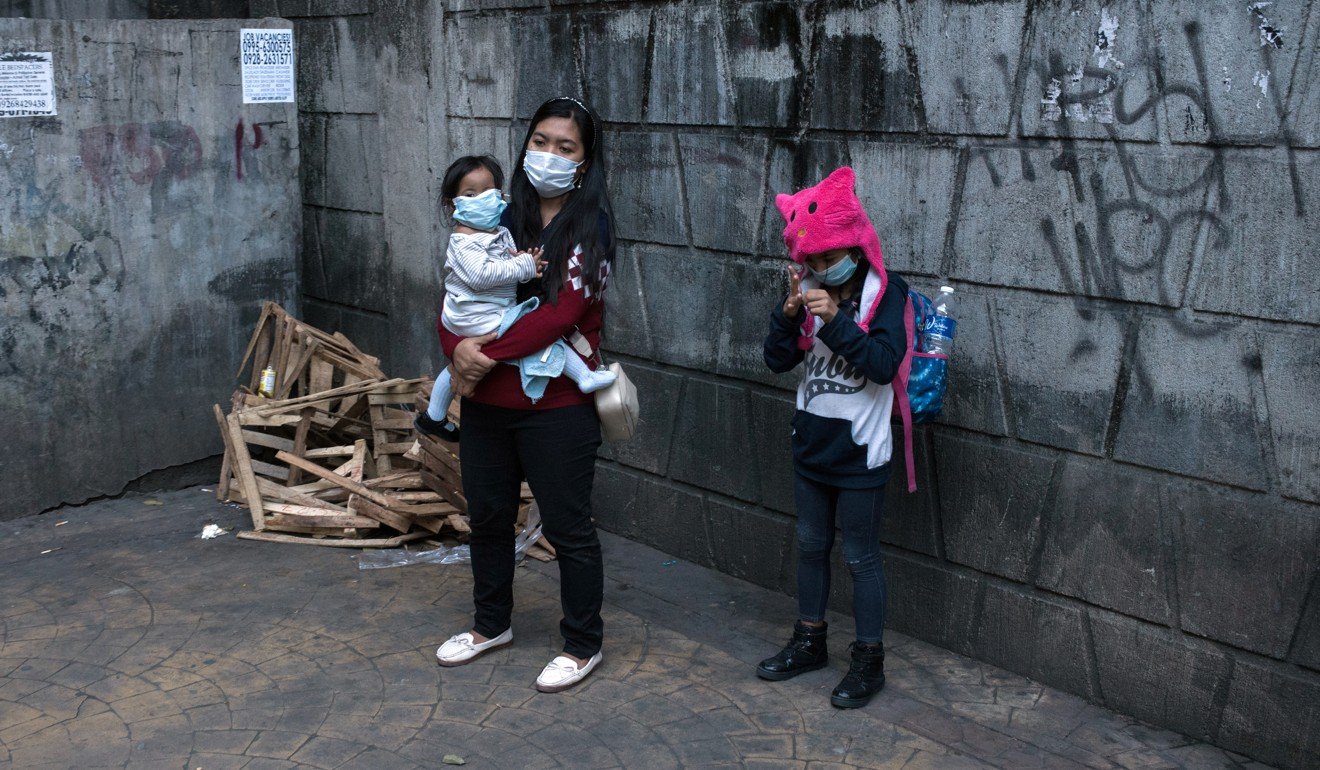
(841, 432)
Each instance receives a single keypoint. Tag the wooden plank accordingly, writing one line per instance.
(333, 542)
(280, 348)
(322, 375)
(312, 487)
(451, 495)
(400, 480)
(405, 387)
(385, 399)
(269, 469)
(418, 497)
(380, 513)
(378, 436)
(243, 468)
(351, 411)
(253, 342)
(248, 418)
(403, 423)
(279, 523)
(329, 451)
(305, 374)
(222, 488)
(290, 404)
(336, 341)
(300, 443)
(445, 471)
(459, 523)
(270, 489)
(352, 365)
(301, 515)
(297, 367)
(359, 461)
(432, 524)
(430, 509)
(236, 493)
(267, 440)
(351, 485)
(441, 453)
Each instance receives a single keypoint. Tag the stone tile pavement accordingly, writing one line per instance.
(135, 644)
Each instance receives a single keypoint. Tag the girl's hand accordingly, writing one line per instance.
(470, 365)
(794, 302)
(821, 304)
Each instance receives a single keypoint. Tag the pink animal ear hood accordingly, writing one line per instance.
(826, 217)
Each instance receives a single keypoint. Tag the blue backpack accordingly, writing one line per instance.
(922, 377)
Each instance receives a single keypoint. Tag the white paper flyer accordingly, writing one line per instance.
(27, 84)
(267, 60)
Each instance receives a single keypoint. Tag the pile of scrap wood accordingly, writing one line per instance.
(327, 454)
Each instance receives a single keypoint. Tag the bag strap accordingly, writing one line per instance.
(901, 394)
(583, 347)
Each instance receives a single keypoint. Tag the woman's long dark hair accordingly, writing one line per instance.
(586, 219)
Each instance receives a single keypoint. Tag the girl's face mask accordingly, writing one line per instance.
(838, 273)
(480, 211)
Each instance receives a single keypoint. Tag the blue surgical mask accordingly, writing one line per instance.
(480, 211)
(838, 273)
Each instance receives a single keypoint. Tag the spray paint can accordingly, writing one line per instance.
(267, 386)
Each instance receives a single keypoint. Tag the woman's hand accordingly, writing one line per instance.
(470, 365)
(821, 304)
(794, 302)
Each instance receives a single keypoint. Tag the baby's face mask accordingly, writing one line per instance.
(480, 211)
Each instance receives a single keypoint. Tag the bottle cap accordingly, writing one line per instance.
(949, 289)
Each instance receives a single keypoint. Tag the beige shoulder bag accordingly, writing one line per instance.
(617, 405)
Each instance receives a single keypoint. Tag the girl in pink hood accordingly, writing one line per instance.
(844, 320)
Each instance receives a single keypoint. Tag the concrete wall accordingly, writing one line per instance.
(1122, 497)
(76, 9)
(125, 9)
(370, 123)
(140, 230)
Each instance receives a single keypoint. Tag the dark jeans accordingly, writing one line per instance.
(555, 450)
(858, 513)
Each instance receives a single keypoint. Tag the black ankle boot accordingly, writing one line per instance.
(805, 652)
(866, 676)
(441, 429)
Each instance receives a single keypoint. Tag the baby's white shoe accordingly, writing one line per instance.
(563, 672)
(599, 380)
(462, 648)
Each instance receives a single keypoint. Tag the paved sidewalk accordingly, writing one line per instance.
(138, 645)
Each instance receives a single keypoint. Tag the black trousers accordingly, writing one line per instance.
(555, 450)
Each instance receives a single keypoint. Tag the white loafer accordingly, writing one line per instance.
(562, 673)
(462, 648)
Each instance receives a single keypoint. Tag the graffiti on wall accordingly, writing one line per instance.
(142, 152)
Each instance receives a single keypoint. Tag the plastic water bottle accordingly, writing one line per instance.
(940, 327)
